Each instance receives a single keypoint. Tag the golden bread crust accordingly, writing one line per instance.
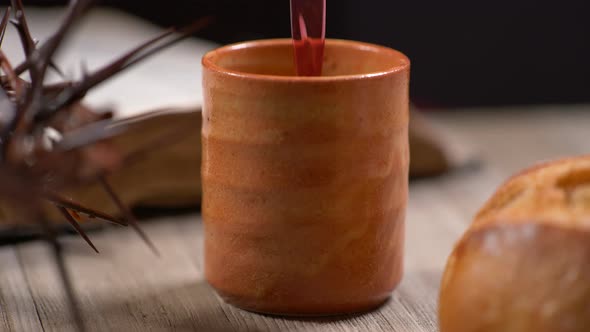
(524, 263)
(557, 193)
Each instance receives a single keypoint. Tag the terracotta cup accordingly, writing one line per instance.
(305, 179)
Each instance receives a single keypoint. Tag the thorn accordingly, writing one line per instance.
(69, 204)
(4, 23)
(55, 68)
(127, 213)
(76, 226)
(10, 75)
(20, 23)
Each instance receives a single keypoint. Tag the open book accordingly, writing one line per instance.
(170, 81)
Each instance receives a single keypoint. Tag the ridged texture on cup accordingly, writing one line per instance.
(304, 179)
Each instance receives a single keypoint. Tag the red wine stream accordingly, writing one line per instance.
(308, 27)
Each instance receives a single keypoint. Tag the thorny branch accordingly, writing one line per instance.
(4, 24)
(66, 214)
(48, 140)
(125, 61)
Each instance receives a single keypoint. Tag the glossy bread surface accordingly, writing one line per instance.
(524, 264)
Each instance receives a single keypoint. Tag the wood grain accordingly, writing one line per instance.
(126, 288)
(18, 308)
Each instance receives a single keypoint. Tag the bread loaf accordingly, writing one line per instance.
(524, 263)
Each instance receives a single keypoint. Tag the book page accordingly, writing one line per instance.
(169, 79)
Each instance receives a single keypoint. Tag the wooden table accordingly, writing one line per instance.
(127, 288)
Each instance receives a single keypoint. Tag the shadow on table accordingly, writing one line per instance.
(196, 307)
(190, 307)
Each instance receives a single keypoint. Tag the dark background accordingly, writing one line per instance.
(464, 53)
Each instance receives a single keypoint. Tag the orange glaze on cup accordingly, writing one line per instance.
(305, 179)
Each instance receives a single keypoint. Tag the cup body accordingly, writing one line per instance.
(305, 179)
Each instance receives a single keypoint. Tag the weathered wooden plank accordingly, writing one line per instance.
(17, 308)
(127, 288)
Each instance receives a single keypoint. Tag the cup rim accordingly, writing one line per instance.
(208, 63)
